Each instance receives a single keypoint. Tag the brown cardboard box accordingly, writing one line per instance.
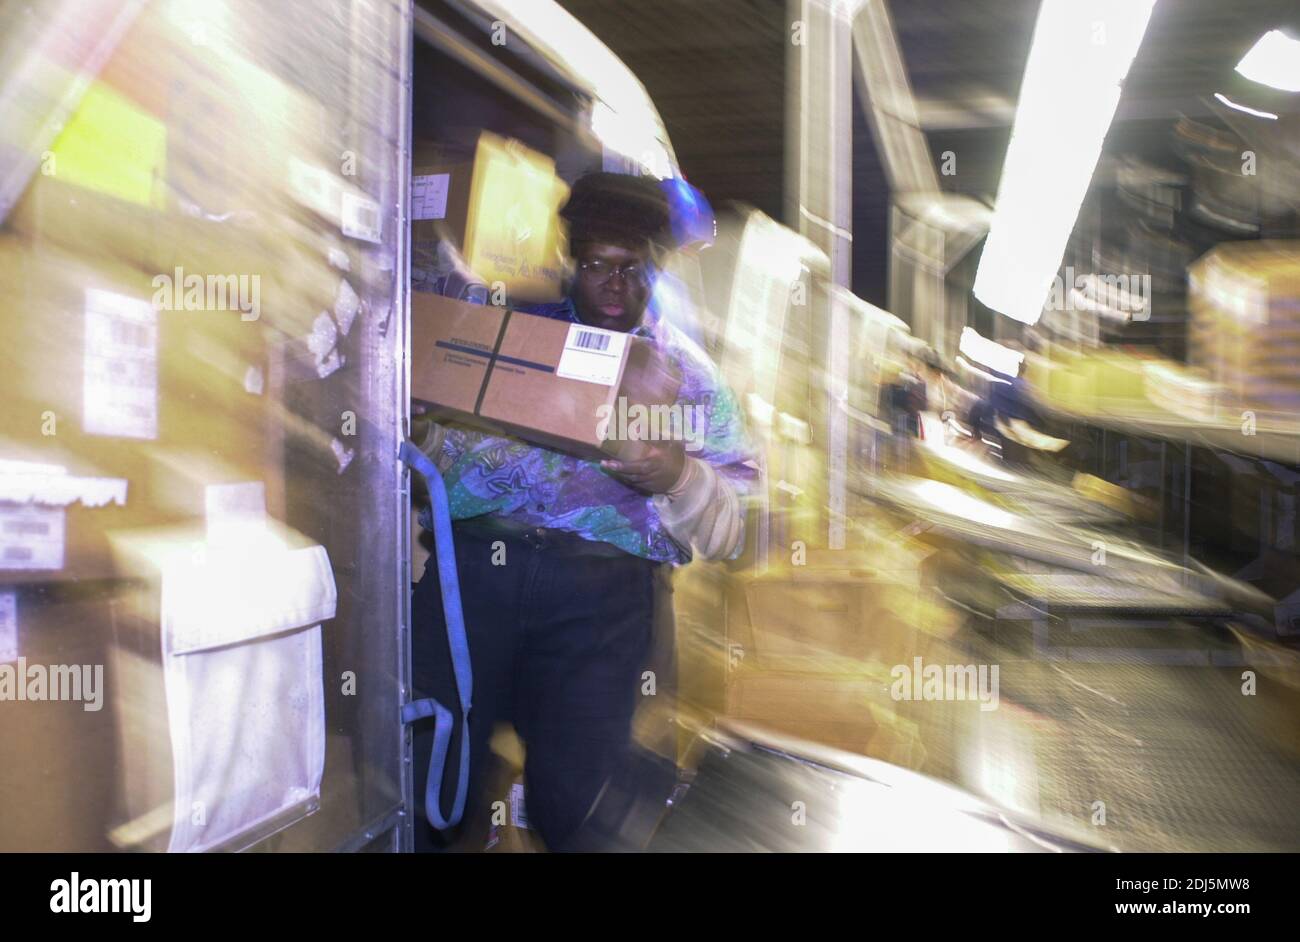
(57, 780)
(518, 373)
(844, 711)
(293, 277)
(155, 400)
(234, 131)
(440, 183)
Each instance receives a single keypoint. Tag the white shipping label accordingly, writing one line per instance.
(8, 627)
(518, 810)
(592, 355)
(31, 537)
(120, 385)
(361, 218)
(429, 196)
(316, 188)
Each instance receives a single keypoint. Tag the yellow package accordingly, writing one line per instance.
(512, 234)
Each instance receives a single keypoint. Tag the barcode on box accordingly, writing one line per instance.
(592, 355)
(590, 340)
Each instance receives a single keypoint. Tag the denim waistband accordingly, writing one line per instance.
(561, 542)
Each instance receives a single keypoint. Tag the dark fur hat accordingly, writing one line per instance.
(617, 208)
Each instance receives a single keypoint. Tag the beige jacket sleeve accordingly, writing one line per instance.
(702, 511)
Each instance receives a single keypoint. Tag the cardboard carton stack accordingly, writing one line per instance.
(187, 249)
(1245, 333)
(810, 649)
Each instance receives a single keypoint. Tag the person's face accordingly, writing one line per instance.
(612, 285)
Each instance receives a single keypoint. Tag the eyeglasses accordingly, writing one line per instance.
(599, 272)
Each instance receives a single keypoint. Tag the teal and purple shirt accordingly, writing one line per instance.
(536, 487)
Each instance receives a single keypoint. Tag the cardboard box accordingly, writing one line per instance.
(500, 209)
(58, 777)
(233, 130)
(292, 277)
(843, 711)
(440, 184)
(561, 385)
(157, 401)
(1245, 332)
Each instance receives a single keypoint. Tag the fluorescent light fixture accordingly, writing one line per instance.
(988, 353)
(1232, 104)
(633, 138)
(972, 368)
(623, 119)
(1079, 57)
(1273, 61)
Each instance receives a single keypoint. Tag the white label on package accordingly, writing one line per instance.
(429, 196)
(120, 387)
(31, 537)
(361, 217)
(592, 355)
(518, 809)
(8, 627)
(316, 188)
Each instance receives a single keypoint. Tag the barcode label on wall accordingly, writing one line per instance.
(360, 217)
(592, 355)
(31, 537)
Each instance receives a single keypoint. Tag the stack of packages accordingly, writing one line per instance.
(1245, 300)
(485, 217)
(180, 257)
(172, 254)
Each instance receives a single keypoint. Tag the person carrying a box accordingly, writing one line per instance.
(565, 563)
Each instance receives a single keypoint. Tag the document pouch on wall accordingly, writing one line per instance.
(241, 651)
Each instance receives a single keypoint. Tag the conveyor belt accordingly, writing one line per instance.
(1180, 757)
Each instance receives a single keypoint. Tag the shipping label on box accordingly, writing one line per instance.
(31, 537)
(592, 354)
(120, 386)
(429, 195)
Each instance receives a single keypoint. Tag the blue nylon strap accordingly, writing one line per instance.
(459, 644)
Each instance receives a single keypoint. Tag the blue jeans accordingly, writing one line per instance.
(559, 641)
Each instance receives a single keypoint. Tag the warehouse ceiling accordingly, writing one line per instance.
(716, 71)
